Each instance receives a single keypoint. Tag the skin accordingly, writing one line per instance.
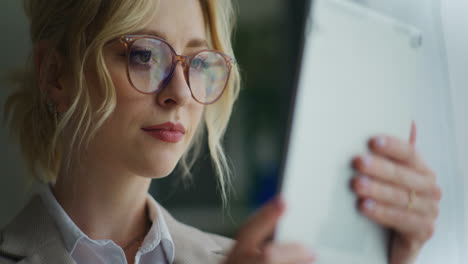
(113, 178)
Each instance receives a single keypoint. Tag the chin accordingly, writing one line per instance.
(160, 174)
(156, 169)
(155, 162)
(155, 173)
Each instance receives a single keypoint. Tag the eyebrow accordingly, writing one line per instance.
(193, 43)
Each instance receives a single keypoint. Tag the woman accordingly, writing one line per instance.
(109, 105)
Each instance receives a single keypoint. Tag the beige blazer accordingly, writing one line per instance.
(33, 238)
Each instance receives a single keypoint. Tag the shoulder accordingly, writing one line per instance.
(32, 234)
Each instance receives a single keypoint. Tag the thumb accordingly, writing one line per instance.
(261, 225)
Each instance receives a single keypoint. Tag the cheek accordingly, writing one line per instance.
(130, 105)
(128, 100)
(117, 67)
(197, 115)
(119, 78)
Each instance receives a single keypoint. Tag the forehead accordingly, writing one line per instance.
(179, 22)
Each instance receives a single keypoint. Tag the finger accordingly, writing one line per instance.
(383, 192)
(403, 221)
(413, 133)
(389, 171)
(399, 150)
(261, 225)
(287, 253)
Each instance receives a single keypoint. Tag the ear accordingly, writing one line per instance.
(50, 73)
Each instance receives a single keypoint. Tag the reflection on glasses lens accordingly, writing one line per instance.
(150, 65)
(208, 76)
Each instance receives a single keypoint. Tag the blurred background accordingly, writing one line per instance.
(266, 45)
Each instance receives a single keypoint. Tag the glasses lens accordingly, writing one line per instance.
(208, 76)
(149, 64)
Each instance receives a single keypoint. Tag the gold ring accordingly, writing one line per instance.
(411, 198)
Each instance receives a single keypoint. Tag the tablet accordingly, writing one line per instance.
(357, 78)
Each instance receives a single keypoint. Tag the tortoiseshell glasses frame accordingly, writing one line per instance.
(150, 68)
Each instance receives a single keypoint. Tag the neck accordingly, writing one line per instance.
(105, 202)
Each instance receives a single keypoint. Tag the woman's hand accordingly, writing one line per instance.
(398, 190)
(253, 245)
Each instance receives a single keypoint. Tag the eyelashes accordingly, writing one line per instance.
(143, 57)
(199, 64)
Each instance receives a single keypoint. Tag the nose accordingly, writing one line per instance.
(176, 92)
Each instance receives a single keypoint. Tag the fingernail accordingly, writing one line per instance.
(363, 180)
(380, 142)
(369, 204)
(366, 161)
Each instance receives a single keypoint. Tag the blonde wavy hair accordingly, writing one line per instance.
(79, 31)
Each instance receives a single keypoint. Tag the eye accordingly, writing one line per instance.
(143, 57)
(199, 64)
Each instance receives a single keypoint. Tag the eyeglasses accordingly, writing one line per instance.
(151, 63)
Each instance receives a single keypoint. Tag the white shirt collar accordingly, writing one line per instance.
(72, 235)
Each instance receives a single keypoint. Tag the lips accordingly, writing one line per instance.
(168, 132)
